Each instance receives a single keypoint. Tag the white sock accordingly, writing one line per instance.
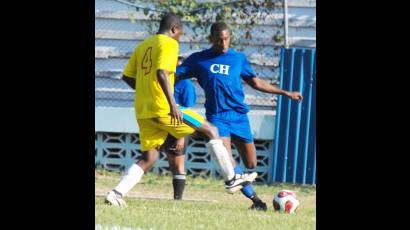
(219, 152)
(179, 176)
(130, 179)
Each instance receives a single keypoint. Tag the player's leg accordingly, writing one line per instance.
(247, 152)
(132, 176)
(151, 138)
(175, 150)
(242, 138)
(233, 182)
(178, 177)
(247, 190)
(227, 143)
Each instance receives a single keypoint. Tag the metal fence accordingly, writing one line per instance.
(119, 27)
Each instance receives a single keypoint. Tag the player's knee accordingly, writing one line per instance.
(149, 158)
(209, 130)
(213, 132)
(250, 164)
(172, 150)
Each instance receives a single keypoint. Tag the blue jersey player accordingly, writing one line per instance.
(184, 90)
(220, 71)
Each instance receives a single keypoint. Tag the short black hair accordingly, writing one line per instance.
(217, 27)
(168, 21)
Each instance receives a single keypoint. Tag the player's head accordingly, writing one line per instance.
(171, 25)
(220, 37)
(180, 60)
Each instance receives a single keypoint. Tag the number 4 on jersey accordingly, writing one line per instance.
(146, 63)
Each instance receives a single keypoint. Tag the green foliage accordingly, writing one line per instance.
(240, 15)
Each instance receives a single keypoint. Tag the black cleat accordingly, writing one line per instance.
(259, 206)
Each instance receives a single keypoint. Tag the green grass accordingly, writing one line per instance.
(215, 209)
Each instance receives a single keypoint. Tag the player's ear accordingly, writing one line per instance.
(175, 28)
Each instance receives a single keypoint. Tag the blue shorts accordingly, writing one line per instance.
(232, 124)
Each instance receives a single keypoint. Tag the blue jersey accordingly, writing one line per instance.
(219, 75)
(184, 93)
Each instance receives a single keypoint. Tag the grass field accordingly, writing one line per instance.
(206, 206)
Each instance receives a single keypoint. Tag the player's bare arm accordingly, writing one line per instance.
(176, 115)
(264, 86)
(129, 80)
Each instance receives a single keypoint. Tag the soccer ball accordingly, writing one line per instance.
(285, 200)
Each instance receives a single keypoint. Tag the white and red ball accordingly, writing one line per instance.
(285, 200)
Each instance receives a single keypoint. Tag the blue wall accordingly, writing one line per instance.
(294, 156)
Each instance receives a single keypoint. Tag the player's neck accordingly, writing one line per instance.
(166, 34)
(218, 52)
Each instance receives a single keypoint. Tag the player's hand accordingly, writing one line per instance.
(176, 115)
(295, 96)
(180, 145)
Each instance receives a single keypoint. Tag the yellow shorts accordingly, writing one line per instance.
(154, 131)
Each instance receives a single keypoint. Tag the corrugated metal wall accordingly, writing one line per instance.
(294, 159)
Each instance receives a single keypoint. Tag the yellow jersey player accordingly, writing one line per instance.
(150, 71)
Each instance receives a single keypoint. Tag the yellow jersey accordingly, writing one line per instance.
(156, 52)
